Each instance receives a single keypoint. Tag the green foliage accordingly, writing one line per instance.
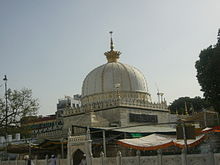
(208, 73)
(195, 104)
(218, 37)
(20, 104)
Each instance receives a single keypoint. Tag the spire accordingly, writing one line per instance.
(111, 44)
(112, 55)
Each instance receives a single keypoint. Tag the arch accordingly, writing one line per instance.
(77, 146)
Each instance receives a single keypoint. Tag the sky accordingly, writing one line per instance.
(50, 46)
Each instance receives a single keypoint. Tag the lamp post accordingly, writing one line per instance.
(6, 110)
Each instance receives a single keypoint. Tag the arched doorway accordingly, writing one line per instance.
(77, 157)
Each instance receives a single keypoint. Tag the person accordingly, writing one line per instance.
(52, 160)
(83, 161)
(28, 160)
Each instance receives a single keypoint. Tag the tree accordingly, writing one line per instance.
(208, 73)
(20, 104)
(195, 104)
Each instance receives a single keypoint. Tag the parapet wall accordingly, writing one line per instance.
(201, 159)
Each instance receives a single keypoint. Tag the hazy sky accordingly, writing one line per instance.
(50, 46)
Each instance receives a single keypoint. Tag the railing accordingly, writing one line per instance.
(116, 102)
(81, 138)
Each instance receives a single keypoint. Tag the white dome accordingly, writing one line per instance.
(106, 77)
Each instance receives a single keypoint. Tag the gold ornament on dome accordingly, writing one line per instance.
(112, 55)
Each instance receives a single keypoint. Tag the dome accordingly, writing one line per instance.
(108, 77)
(114, 76)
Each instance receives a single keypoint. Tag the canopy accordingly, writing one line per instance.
(214, 129)
(158, 141)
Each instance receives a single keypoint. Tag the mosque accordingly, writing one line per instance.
(114, 106)
(114, 96)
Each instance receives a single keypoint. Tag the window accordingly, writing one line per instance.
(142, 118)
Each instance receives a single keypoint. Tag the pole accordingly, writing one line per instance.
(6, 111)
(30, 148)
(104, 142)
(62, 148)
(185, 141)
(217, 118)
(184, 136)
(205, 118)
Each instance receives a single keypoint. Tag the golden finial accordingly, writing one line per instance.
(112, 55)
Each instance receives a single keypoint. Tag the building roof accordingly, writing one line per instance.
(142, 129)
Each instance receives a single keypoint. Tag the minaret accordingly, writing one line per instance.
(186, 110)
(112, 55)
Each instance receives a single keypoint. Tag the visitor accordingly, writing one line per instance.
(52, 160)
(28, 161)
(83, 161)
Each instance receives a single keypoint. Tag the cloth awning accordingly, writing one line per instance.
(214, 129)
(158, 141)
